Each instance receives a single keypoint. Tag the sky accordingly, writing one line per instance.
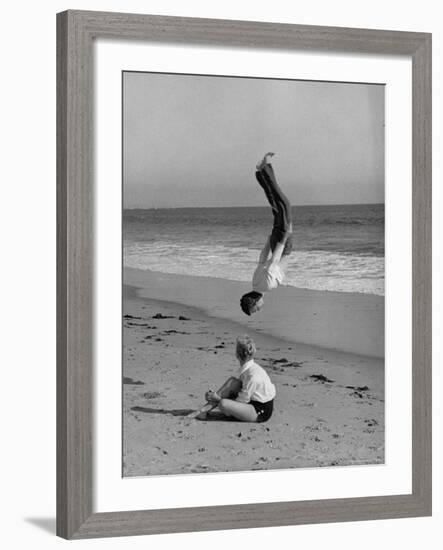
(195, 140)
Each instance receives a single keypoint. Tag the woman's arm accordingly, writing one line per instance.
(248, 388)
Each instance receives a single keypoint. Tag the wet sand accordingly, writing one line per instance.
(336, 320)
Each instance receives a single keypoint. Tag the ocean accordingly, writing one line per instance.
(338, 248)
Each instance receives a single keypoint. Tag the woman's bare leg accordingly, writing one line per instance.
(241, 411)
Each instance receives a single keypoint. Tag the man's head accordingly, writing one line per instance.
(245, 349)
(251, 302)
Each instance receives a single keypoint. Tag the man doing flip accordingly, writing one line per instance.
(270, 270)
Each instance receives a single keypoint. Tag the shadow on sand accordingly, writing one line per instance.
(173, 412)
(211, 417)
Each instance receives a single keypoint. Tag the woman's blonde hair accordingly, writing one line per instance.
(245, 347)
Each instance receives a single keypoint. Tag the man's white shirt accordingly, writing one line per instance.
(267, 276)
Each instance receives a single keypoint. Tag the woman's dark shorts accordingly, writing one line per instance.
(263, 410)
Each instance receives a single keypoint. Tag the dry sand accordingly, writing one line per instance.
(329, 407)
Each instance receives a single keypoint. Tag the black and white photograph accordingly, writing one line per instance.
(222, 305)
(253, 274)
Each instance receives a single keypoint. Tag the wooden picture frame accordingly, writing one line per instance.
(76, 31)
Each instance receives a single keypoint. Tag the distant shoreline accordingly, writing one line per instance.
(144, 209)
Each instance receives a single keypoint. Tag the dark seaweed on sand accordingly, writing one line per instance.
(161, 316)
(320, 378)
(127, 380)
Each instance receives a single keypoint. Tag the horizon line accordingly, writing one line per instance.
(250, 206)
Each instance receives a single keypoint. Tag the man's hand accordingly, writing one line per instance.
(212, 396)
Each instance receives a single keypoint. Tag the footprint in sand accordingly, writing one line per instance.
(199, 468)
(371, 422)
(153, 394)
(277, 369)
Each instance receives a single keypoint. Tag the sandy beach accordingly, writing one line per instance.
(323, 351)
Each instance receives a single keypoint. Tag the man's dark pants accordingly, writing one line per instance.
(281, 208)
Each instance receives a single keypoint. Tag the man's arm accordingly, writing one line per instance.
(277, 254)
(264, 254)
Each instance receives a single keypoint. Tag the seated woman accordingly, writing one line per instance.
(255, 400)
(270, 270)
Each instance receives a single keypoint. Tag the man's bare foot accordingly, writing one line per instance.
(265, 160)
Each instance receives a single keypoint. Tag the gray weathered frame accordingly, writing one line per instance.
(76, 31)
